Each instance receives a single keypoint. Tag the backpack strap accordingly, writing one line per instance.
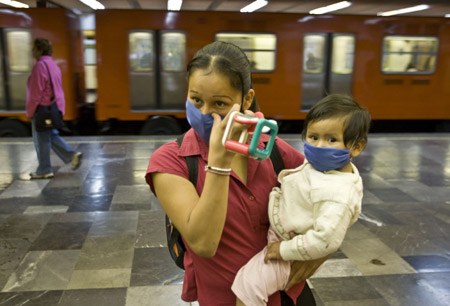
(174, 241)
(192, 163)
(277, 160)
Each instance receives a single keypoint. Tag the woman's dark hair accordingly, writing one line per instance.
(43, 45)
(229, 60)
(356, 118)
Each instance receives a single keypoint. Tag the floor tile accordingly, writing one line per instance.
(36, 209)
(110, 224)
(93, 202)
(155, 295)
(154, 235)
(23, 226)
(413, 289)
(352, 288)
(337, 268)
(107, 252)
(373, 257)
(97, 297)
(61, 236)
(19, 189)
(38, 298)
(103, 278)
(43, 270)
(429, 263)
(154, 266)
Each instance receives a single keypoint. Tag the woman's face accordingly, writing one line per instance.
(211, 92)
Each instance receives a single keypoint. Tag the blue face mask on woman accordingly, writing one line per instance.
(201, 123)
(326, 159)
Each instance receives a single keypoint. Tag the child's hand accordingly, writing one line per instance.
(273, 251)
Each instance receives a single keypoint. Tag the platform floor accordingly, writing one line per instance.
(95, 236)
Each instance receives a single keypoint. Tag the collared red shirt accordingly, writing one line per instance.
(209, 280)
(39, 88)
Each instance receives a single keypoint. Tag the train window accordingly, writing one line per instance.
(19, 50)
(260, 48)
(173, 51)
(409, 54)
(141, 51)
(313, 52)
(343, 53)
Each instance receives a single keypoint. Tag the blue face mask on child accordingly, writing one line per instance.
(326, 159)
(201, 123)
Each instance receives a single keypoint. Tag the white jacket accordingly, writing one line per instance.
(318, 206)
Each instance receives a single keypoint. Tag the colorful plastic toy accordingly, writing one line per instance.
(259, 126)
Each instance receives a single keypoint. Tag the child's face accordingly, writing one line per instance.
(326, 133)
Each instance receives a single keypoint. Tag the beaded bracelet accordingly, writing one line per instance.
(219, 171)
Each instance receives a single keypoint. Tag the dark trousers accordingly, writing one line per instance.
(306, 298)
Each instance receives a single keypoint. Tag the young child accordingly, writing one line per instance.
(317, 201)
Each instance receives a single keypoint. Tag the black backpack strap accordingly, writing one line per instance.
(276, 158)
(174, 241)
(192, 163)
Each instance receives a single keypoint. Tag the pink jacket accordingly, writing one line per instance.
(39, 90)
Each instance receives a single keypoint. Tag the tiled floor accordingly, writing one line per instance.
(95, 236)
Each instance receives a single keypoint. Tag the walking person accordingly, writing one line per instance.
(44, 87)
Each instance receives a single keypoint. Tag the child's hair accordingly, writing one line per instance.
(356, 118)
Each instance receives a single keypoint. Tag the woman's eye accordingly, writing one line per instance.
(313, 137)
(332, 140)
(220, 104)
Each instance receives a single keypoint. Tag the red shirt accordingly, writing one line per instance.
(39, 88)
(208, 280)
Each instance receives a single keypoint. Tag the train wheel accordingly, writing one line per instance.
(161, 125)
(13, 128)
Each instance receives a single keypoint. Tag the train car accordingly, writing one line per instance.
(398, 67)
(18, 28)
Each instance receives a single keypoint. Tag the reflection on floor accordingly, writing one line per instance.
(96, 236)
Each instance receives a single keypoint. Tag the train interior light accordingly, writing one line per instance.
(331, 8)
(14, 3)
(405, 10)
(95, 5)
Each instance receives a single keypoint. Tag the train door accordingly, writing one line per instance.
(327, 66)
(157, 70)
(15, 67)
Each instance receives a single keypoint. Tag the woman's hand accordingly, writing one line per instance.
(218, 155)
(273, 251)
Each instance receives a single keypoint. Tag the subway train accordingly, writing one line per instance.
(398, 67)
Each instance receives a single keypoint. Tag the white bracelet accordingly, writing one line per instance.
(217, 169)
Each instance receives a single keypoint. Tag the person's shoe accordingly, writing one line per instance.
(76, 160)
(46, 176)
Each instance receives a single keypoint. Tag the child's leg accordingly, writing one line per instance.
(256, 281)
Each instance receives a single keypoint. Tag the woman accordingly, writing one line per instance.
(223, 220)
(44, 87)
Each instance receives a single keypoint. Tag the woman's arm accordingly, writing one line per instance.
(199, 219)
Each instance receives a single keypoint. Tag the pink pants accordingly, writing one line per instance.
(256, 280)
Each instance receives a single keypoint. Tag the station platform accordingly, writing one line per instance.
(95, 236)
